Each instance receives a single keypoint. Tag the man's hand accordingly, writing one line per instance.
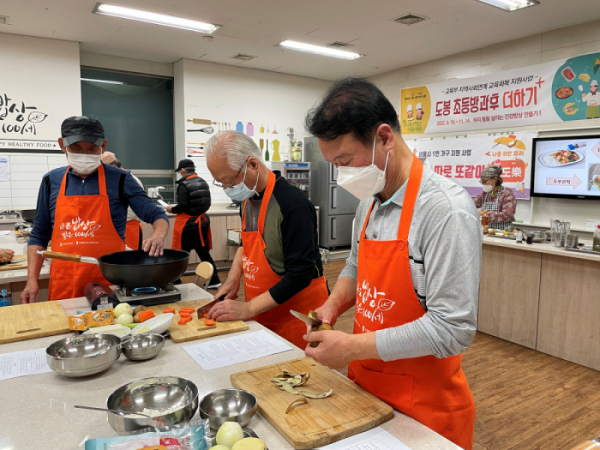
(169, 209)
(154, 246)
(230, 310)
(337, 349)
(328, 314)
(229, 289)
(30, 292)
(6, 255)
(481, 213)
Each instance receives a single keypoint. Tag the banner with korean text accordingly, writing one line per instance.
(554, 92)
(463, 158)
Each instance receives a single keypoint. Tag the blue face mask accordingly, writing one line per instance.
(240, 192)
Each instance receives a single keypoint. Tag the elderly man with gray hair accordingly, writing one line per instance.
(279, 255)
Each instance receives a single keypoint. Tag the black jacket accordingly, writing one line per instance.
(193, 196)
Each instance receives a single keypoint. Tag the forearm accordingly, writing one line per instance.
(160, 228)
(343, 295)
(264, 302)
(235, 272)
(34, 263)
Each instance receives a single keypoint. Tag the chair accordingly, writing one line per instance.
(204, 271)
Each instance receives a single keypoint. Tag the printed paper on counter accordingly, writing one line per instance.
(20, 364)
(375, 439)
(237, 349)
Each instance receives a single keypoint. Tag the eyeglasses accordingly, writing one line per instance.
(224, 185)
(485, 181)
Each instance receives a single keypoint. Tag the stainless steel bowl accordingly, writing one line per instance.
(168, 400)
(228, 405)
(83, 355)
(142, 346)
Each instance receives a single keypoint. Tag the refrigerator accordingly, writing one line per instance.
(337, 207)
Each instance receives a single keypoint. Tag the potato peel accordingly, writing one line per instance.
(316, 396)
(300, 400)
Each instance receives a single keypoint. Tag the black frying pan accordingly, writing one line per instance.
(134, 269)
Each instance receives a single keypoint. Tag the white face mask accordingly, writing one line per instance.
(83, 164)
(363, 182)
(241, 192)
(488, 188)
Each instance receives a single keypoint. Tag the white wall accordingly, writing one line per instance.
(43, 73)
(558, 44)
(119, 63)
(226, 94)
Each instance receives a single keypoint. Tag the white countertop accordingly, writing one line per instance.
(38, 413)
(544, 247)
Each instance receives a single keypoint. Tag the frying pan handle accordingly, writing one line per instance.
(61, 256)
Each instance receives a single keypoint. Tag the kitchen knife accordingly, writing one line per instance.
(304, 318)
(14, 261)
(206, 308)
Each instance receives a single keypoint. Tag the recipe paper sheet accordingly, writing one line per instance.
(375, 439)
(23, 363)
(236, 349)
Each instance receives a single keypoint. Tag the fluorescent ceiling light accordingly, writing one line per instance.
(511, 5)
(150, 17)
(102, 81)
(318, 50)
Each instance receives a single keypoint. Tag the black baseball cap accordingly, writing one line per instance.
(185, 164)
(81, 128)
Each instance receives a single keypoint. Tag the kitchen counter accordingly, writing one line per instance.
(41, 406)
(542, 297)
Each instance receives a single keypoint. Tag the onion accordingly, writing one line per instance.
(125, 319)
(229, 433)
(250, 443)
(123, 308)
(219, 447)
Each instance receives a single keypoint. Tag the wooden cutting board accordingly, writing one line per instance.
(348, 411)
(196, 329)
(15, 266)
(41, 319)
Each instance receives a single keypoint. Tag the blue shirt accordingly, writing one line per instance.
(133, 194)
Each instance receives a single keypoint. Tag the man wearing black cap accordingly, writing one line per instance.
(82, 209)
(192, 225)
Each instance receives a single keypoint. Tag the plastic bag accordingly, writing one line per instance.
(190, 438)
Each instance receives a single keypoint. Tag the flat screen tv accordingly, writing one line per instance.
(566, 167)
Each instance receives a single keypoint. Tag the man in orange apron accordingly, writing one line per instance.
(82, 209)
(133, 229)
(415, 301)
(192, 225)
(279, 256)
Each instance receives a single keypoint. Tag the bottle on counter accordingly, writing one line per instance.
(485, 222)
(596, 242)
(519, 237)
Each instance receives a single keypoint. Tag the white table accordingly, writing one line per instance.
(37, 411)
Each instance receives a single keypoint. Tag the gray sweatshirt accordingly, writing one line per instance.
(444, 244)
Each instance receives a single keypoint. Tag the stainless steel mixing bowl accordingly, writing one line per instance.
(83, 355)
(228, 405)
(168, 400)
(142, 346)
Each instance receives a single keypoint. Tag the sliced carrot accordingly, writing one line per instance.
(169, 310)
(187, 309)
(209, 323)
(205, 316)
(182, 321)
(188, 319)
(184, 313)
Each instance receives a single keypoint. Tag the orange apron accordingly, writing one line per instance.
(132, 234)
(180, 222)
(82, 226)
(259, 278)
(434, 391)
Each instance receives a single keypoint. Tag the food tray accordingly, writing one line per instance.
(542, 158)
(587, 250)
(593, 173)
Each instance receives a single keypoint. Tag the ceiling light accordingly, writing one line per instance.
(102, 81)
(318, 50)
(150, 17)
(510, 5)
(410, 19)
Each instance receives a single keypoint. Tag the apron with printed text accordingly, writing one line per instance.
(259, 278)
(132, 234)
(432, 390)
(82, 226)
